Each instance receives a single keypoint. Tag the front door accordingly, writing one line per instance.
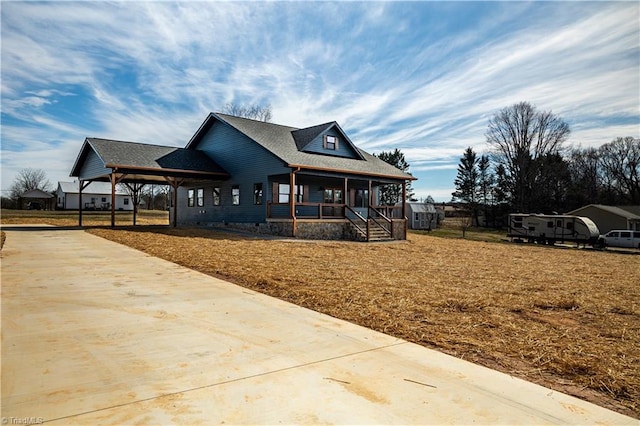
(333, 196)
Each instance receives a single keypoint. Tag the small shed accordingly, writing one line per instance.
(607, 218)
(36, 199)
(421, 215)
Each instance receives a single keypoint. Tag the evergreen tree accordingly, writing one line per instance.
(467, 182)
(392, 194)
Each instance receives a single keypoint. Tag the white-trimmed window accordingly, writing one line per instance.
(200, 198)
(330, 142)
(284, 192)
(235, 195)
(216, 195)
(257, 193)
(190, 197)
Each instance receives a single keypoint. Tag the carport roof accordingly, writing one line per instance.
(145, 159)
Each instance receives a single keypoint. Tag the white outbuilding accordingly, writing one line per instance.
(421, 215)
(96, 196)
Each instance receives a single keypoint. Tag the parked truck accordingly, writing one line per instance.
(549, 229)
(621, 238)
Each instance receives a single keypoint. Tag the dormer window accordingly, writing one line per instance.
(330, 142)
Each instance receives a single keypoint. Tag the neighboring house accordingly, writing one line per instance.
(35, 199)
(454, 210)
(607, 218)
(96, 196)
(421, 215)
(236, 172)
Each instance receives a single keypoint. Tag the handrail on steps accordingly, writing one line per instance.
(380, 214)
(359, 216)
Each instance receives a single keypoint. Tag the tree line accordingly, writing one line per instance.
(528, 168)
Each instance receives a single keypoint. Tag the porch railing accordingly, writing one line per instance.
(381, 220)
(356, 219)
(307, 210)
(379, 217)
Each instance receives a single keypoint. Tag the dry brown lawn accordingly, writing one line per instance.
(568, 319)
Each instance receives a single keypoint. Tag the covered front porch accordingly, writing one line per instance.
(309, 202)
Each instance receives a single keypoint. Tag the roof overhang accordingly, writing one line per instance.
(352, 172)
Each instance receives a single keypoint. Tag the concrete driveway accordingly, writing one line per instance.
(97, 333)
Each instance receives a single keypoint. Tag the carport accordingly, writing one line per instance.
(135, 165)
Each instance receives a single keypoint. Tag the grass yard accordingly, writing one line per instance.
(565, 318)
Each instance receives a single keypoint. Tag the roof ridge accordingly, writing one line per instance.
(254, 120)
(132, 142)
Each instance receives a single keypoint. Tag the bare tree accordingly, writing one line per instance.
(27, 180)
(520, 135)
(620, 161)
(586, 177)
(154, 196)
(255, 112)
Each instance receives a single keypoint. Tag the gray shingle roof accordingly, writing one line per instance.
(281, 141)
(302, 137)
(133, 155)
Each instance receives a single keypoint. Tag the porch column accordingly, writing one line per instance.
(404, 206)
(175, 183)
(80, 203)
(81, 186)
(113, 199)
(175, 206)
(345, 195)
(292, 202)
(370, 193)
(404, 197)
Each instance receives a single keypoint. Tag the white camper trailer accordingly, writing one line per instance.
(549, 229)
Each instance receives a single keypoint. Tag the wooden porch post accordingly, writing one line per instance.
(345, 196)
(175, 183)
(175, 205)
(113, 199)
(292, 202)
(404, 196)
(81, 186)
(404, 206)
(80, 203)
(370, 193)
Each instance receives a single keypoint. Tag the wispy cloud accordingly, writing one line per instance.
(424, 77)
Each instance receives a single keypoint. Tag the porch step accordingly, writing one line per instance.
(376, 233)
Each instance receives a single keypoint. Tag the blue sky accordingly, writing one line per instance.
(424, 77)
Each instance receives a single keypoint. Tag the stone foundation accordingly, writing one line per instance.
(306, 229)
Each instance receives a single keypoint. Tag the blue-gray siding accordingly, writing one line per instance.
(344, 149)
(92, 167)
(248, 163)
